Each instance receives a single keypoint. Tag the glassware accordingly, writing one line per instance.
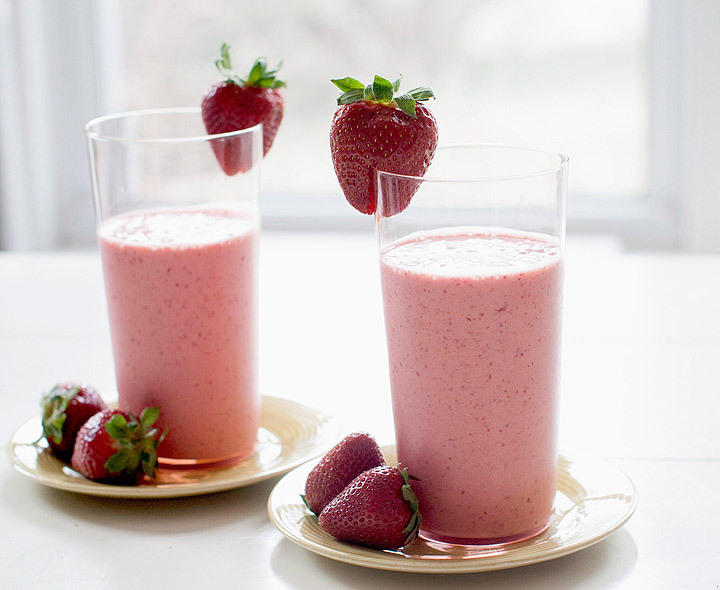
(471, 259)
(178, 228)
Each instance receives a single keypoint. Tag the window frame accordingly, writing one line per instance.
(679, 212)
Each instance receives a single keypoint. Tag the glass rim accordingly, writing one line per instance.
(96, 135)
(542, 171)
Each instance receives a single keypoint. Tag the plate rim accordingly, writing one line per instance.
(326, 432)
(397, 561)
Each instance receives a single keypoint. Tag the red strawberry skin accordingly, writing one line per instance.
(353, 455)
(78, 402)
(370, 511)
(94, 446)
(228, 106)
(367, 135)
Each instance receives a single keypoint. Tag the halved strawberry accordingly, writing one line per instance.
(65, 408)
(377, 509)
(118, 447)
(354, 454)
(375, 128)
(239, 103)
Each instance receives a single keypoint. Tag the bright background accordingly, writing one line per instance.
(627, 88)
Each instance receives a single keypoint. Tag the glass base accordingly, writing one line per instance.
(213, 463)
(491, 542)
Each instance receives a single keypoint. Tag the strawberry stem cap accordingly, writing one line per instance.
(137, 440)
(260, 76)
(412, 528)
(381, 91)
(54, 405)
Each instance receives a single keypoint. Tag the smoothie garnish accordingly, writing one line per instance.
(354, 454)
(359, 498)
(118, 447)
(378, 509)
(65, 408)
(236, 103)
(375, 127)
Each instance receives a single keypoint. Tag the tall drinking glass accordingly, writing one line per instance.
(471, 261)
(178, 228)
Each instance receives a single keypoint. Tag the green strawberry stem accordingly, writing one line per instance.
(382, 91)
(55, 403)
(259, 75)
(413, 526)
(138, 442)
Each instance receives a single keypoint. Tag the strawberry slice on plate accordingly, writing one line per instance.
(377, 128)
(236, 103)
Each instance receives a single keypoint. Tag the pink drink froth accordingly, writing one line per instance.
(181, 293)
(473, 330)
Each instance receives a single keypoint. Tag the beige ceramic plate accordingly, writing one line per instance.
(593, 500)
(289, 435)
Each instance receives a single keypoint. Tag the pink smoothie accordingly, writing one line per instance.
(473, 330)
(182, 303)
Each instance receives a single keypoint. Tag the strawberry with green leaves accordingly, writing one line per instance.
(378, 509)
(117, 447)
(236, 103)
(65, 408)
(354, 454)
(377, 128)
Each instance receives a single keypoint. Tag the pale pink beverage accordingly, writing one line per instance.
(181, 292)
(473, 330)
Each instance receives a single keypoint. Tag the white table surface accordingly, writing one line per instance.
(641, 388)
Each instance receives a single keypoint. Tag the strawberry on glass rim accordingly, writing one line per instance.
(375, 127)
(236, 103)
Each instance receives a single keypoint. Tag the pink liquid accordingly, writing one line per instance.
(473, 330)
(182, 304)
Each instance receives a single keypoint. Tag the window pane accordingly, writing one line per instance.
(560, 74)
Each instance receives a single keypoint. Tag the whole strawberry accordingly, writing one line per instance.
(354, 454)
(65, 408)
(377, 509)
(115, 446)
(374, 128)
(236, 103)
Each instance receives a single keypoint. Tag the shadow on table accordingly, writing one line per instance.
(163, 516)
(603, 565)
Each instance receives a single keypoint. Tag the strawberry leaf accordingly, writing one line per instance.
(351, 96)
(149, 416)
(148, 460)
(223, 64)
(345, 84)
(406, 104)
(382, 89)
(412, 523)
(118, 461)
(368, 93)
(396, 84)
(422, 93)
(257, 71)
(117, 426)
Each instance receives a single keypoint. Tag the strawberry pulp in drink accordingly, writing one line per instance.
(473, 322)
